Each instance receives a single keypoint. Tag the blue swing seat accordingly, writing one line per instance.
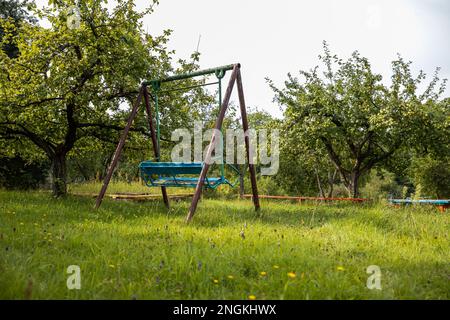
(167, 174)
(440, 202)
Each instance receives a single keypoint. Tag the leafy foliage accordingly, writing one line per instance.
(15, 11)
(348, 113)
(17, 173)
(68, 87)
(433, 175)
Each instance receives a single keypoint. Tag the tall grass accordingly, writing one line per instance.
(130, 250)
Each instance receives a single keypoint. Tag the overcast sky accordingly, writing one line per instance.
(272, 38)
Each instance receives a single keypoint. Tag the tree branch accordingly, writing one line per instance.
(48, 148)
(335, 159)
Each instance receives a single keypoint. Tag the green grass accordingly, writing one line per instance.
(139, 250)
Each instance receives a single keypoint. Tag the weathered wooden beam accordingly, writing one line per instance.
(119, 149)
(154, 140)
(147, 197)
(251, 166)
(218, 126)
(306, 198)
(133, 196)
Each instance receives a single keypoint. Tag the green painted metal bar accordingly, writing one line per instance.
(154, 140)
(188, 88)
(190, 75)
(222, 166)
(158, 133)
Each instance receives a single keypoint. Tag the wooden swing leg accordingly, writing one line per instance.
(154, 140)
(251, 166)
(218, 126)
(118, 151)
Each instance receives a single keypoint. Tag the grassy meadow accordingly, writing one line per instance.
(140, 250)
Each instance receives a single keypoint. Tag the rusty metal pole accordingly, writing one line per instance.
(218, 126)
(251, 166)
(154, 140)
(118, 151)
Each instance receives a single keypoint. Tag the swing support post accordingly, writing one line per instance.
(235, 77)
(154, 139)
(207, 160)
(119, 149)
(251, 166)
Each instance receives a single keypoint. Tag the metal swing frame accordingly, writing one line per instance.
(235, 79)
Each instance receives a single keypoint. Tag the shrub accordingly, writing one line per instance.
(433, 176)
(380, 185)
(16, 173)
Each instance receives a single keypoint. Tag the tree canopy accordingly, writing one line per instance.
(68, 87)
(348, 112)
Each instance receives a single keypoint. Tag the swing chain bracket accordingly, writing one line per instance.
(220, 73)
(155, 84)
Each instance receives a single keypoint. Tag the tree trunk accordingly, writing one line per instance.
(59, 175)
(319, 184)
(331, 181)
(353, 185)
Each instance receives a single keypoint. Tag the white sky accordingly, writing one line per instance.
(272, 38)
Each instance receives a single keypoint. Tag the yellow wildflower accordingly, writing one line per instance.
(291, 275)
(251, 297)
